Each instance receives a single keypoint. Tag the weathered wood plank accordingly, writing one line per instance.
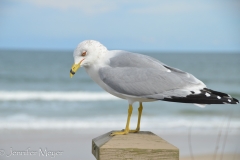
(143, 145)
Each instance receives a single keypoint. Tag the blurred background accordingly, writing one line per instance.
(153, 25)
(37, 96)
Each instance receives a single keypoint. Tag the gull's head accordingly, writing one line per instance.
(86, 54)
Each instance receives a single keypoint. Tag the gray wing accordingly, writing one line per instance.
(143, 76)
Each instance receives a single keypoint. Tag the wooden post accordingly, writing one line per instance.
(143, 145)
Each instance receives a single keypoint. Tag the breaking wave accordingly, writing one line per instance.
(55, 96)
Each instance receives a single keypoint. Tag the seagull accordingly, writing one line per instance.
(141, 78)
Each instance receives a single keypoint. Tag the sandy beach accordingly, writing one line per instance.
(76, 145)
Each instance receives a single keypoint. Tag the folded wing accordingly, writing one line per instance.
(143, 76)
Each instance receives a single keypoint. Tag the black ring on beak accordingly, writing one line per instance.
(72, 72)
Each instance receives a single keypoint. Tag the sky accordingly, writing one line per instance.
(136, 25)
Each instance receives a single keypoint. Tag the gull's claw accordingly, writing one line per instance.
(123, 132)
(134, 131)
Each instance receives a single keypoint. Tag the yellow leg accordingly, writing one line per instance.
(139, 118)
(126, 131)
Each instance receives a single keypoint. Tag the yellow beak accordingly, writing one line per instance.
(74, 68)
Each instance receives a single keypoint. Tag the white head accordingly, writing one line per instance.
(86, 54)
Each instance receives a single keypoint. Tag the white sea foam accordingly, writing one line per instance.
(55, 96)
(116, 122)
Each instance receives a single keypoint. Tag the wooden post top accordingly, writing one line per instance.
(140, 146)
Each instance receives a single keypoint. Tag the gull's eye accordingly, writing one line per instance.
(84, 53)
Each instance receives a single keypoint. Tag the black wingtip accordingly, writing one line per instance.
(207, 96)
(237, 101)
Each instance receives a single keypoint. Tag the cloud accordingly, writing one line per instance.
(185, 6)
(87, 7)
(172, 8)
(134, 6)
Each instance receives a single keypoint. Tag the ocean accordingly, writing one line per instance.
(36, 92)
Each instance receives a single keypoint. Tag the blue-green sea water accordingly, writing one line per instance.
(36, 92)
